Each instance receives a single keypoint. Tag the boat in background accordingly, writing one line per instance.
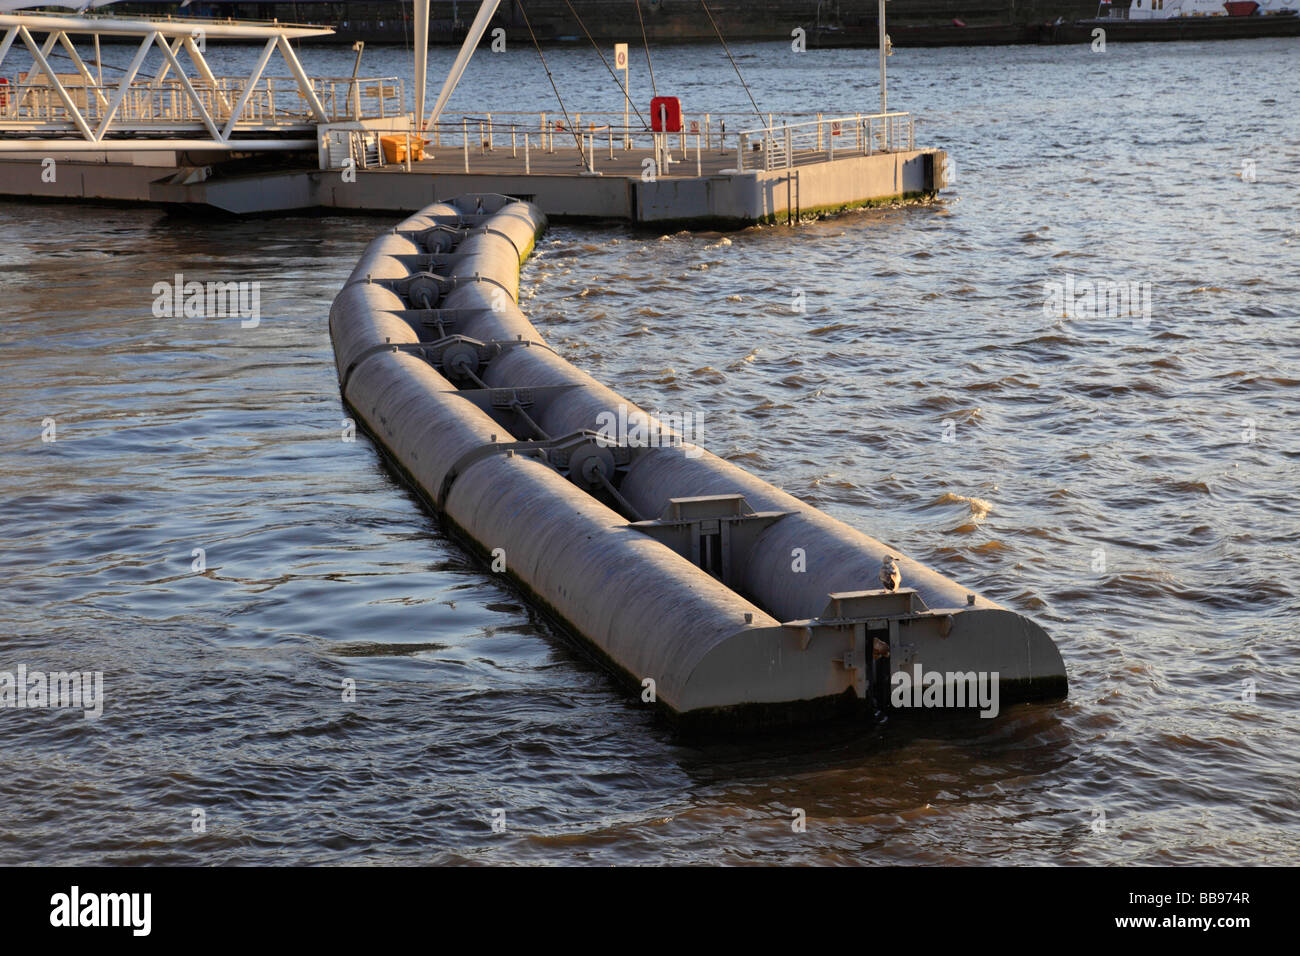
(1139, 20)
(1156, 20)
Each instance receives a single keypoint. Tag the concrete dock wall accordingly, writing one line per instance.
(801, 190)
(120, 177)
(568, 196)
(725, 199)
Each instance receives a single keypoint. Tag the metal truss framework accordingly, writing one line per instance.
(214, 107)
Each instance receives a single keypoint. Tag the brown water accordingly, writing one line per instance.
(1070, 436)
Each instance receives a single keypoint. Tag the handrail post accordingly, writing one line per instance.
(464, 136)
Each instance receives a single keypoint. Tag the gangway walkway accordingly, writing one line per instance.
(167, 97)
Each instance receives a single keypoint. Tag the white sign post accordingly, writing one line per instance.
(620, 63)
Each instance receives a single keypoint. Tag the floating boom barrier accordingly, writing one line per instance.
(734, 602)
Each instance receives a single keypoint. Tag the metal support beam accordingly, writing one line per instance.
(165, 67)
(50, 39)
(201, 64)
(44, 64)
(476, 31)
(248, 88)
(170, 54)
(86, 75)
(421, 56)
(304, 83)
(10, 35)
(125, 84)
(883, 53)
(142, 26)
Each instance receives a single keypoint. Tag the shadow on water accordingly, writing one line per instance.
(1024, 740)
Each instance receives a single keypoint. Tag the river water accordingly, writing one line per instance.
(1128, 482)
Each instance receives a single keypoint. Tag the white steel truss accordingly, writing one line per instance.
(77, 110)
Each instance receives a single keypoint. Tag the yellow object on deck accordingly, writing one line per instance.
(395, 148)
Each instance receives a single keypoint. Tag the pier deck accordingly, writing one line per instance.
(171, 131)
(702, 175)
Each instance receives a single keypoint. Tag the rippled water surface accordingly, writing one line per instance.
(1131, 488)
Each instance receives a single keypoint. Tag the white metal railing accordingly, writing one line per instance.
(713, 128)
(273, 102)
(825, 138)
(784, 141)
(600, 132)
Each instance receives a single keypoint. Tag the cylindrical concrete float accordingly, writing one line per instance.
(724, 599)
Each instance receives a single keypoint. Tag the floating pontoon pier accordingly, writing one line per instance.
(169, 130)
(739, 602)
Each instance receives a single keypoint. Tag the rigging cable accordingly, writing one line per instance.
(65, 56)
(646, 43)
(582, 153)
(757, 111)
(621, 87)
